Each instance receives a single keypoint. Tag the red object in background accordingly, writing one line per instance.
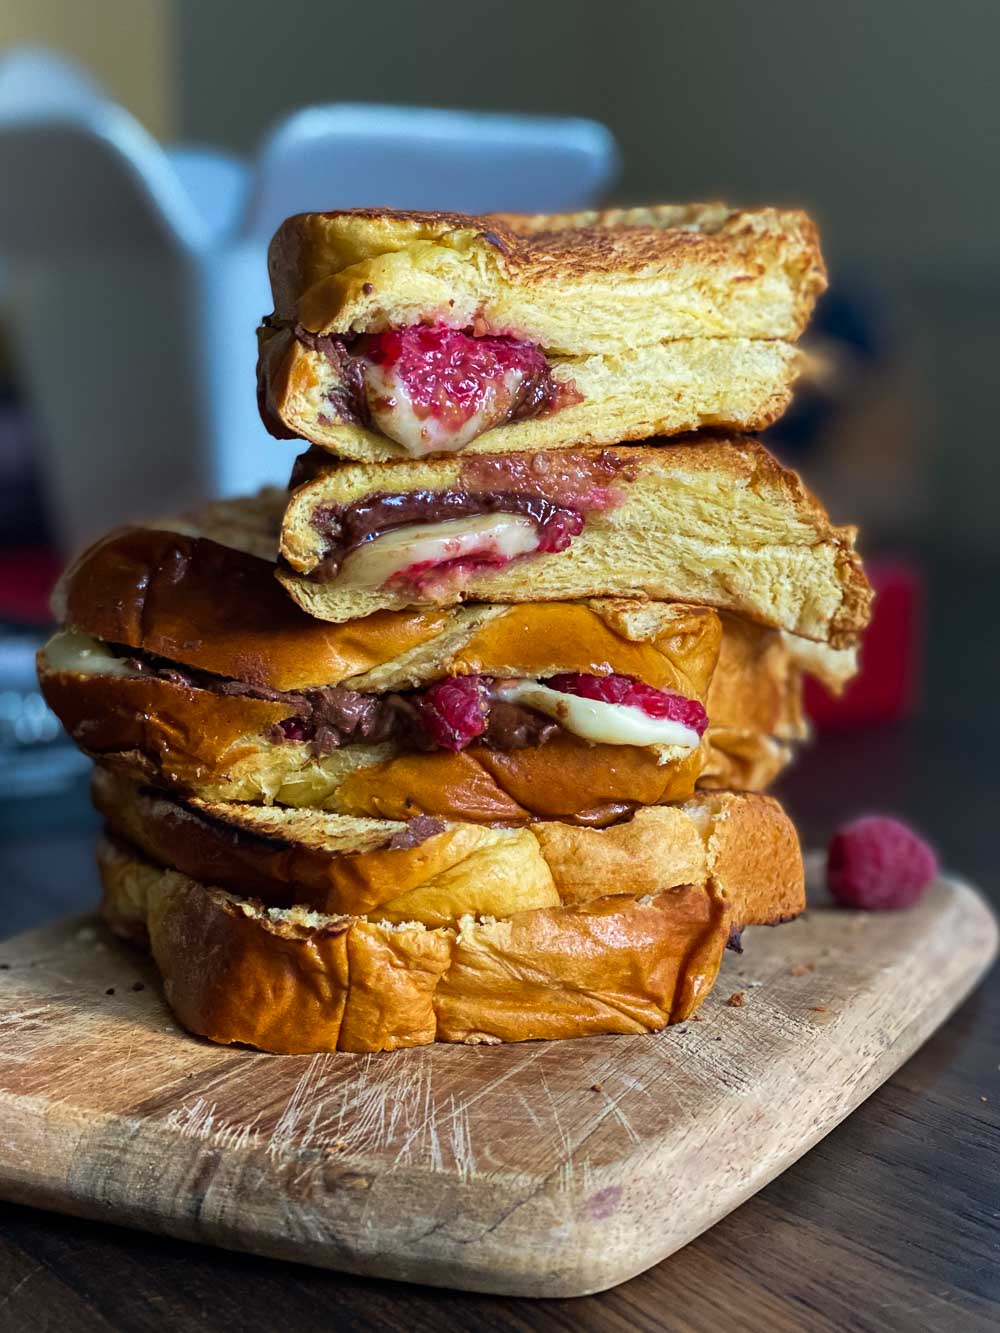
(27, 576)
(887, 686)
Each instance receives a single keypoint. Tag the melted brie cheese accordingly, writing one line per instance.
(376, 562)
(594, 720)
(79, 654)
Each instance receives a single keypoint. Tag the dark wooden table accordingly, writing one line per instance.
(892, 1222)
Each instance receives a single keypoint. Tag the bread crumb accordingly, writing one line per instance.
(597, 1087)
(801, 969)
(697, 1018)
(737, 1000)
(817, 1008)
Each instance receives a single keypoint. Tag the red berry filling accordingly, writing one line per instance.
(453, 712)
(452, 377)
(878, 864)
(634, 694)
(425, 575)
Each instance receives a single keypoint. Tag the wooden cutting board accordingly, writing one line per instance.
(538, 1170)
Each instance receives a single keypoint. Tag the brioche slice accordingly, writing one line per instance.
(714, 521)
(575, 283)
(398, 334)
(295, 981)
(436, 872)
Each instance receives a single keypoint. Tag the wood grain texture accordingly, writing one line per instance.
(544, 1169)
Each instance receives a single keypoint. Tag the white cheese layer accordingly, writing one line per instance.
(71, 651)
(376, 562)
(594, 720)
(395, 416)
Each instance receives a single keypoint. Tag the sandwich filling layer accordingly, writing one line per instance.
(503, 714)
(427, 542)
(433, 389)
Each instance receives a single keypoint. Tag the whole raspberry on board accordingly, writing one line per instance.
(878, 864)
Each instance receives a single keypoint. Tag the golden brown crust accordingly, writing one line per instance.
(336, 864)
(332, 863)
(209, 606)
(757, 683)
(695, 269)
(754, 854)
(300, 983)
(715, 521)
(744, 760)
(563, 779)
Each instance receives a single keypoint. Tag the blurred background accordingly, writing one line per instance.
(882, 120)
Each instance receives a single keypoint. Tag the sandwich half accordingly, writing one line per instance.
(408, 334)
(712, 521)
(301, 979)
(435, 871)
(183, 664)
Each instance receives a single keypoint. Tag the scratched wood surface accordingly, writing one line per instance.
(540, 1169)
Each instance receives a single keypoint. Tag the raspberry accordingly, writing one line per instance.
(634, 694)
(452, 376)
(556, 533)
(454, 711)
(878, 864)
(295, 729)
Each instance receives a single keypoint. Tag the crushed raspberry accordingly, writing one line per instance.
(453, 377)
(878, 864)
(634, 694)
(556, 532)
(454, 711)
(426, 576)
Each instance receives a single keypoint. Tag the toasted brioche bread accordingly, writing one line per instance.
(577, 283)
(738, 384)
(651, 321)
(195, 602)
(435, 872)
(712, 521)
(295, 981)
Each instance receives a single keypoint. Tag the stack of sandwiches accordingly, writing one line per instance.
(466, 736)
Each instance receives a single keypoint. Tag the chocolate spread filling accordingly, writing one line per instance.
(346, 528)
(538, 393)
(557, 491)
(331, 716)
(347, 398)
